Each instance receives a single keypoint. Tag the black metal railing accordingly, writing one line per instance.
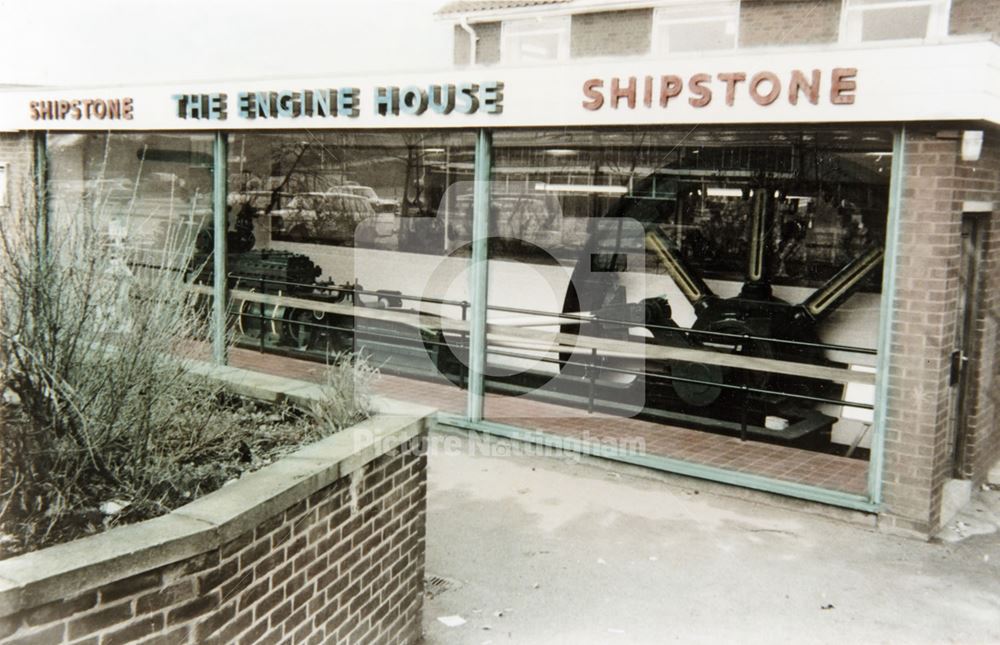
(593, 367)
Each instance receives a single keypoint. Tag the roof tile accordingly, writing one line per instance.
(472, 6)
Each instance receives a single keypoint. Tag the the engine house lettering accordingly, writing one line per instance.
(201, 106)
(441, 98)
(291, 104)
(467, 95)
(413, 100)
(463, 98)
(493, 97)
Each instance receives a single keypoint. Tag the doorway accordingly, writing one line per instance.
(966, 314)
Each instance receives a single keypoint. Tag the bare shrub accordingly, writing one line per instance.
(346, 388)
(99, 403)
(90, 332)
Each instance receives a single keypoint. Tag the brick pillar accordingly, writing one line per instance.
(920, 403)
(980, 181)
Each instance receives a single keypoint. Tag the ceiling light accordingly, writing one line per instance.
(580, 188)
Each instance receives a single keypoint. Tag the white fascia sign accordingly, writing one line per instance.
(952, 81)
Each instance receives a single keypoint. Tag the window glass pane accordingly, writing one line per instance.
(535, 40)
(151, 193)
(696, 36)
(533, 25)
(895, 23)
(131, 214)
(700, 11)
(613, 252)
(694, 28)
(372, 229)
(537, 47)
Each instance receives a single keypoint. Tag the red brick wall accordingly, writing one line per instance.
(460, 46)
(975, 17)
(611, 33)
(487, 44)
(762, 23)
(789, 22)
(343, 566)
(918, 454)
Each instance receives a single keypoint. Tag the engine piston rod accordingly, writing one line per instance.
(759, 221)
(840, 286)
(692, 286)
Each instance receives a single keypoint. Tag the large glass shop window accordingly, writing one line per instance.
(150, 194)
(130, 209)
(354, 244)
(704, 295)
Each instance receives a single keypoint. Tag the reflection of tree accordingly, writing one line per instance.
(297, 152)
(624, 165)
(284, 164)
(414, 181)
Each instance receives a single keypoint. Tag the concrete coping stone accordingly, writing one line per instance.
(65, 570)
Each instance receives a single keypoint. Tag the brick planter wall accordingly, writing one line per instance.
(325, 545)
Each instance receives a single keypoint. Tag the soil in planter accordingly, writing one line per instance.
(55, 492)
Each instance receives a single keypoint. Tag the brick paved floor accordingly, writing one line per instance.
(774, 461)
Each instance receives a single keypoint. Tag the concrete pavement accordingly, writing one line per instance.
(567, 549)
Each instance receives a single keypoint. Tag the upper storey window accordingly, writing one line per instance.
(697, 26)
(865, 21)
(531, 40)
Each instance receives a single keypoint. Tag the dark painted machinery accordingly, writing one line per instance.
(309, 333)
(754, 323)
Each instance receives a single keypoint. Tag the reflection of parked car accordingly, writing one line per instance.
(326, 217)
(381, 205)
(261, 201)
(531, 218)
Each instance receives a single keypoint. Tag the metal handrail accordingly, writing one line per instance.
(351, 290)
(558, 341)
(592, 365)
(686, 330)
(669, 377)
(571, 317)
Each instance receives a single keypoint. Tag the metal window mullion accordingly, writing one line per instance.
(41, 182)
(219, 270)
(877, 451)
(479, 275)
